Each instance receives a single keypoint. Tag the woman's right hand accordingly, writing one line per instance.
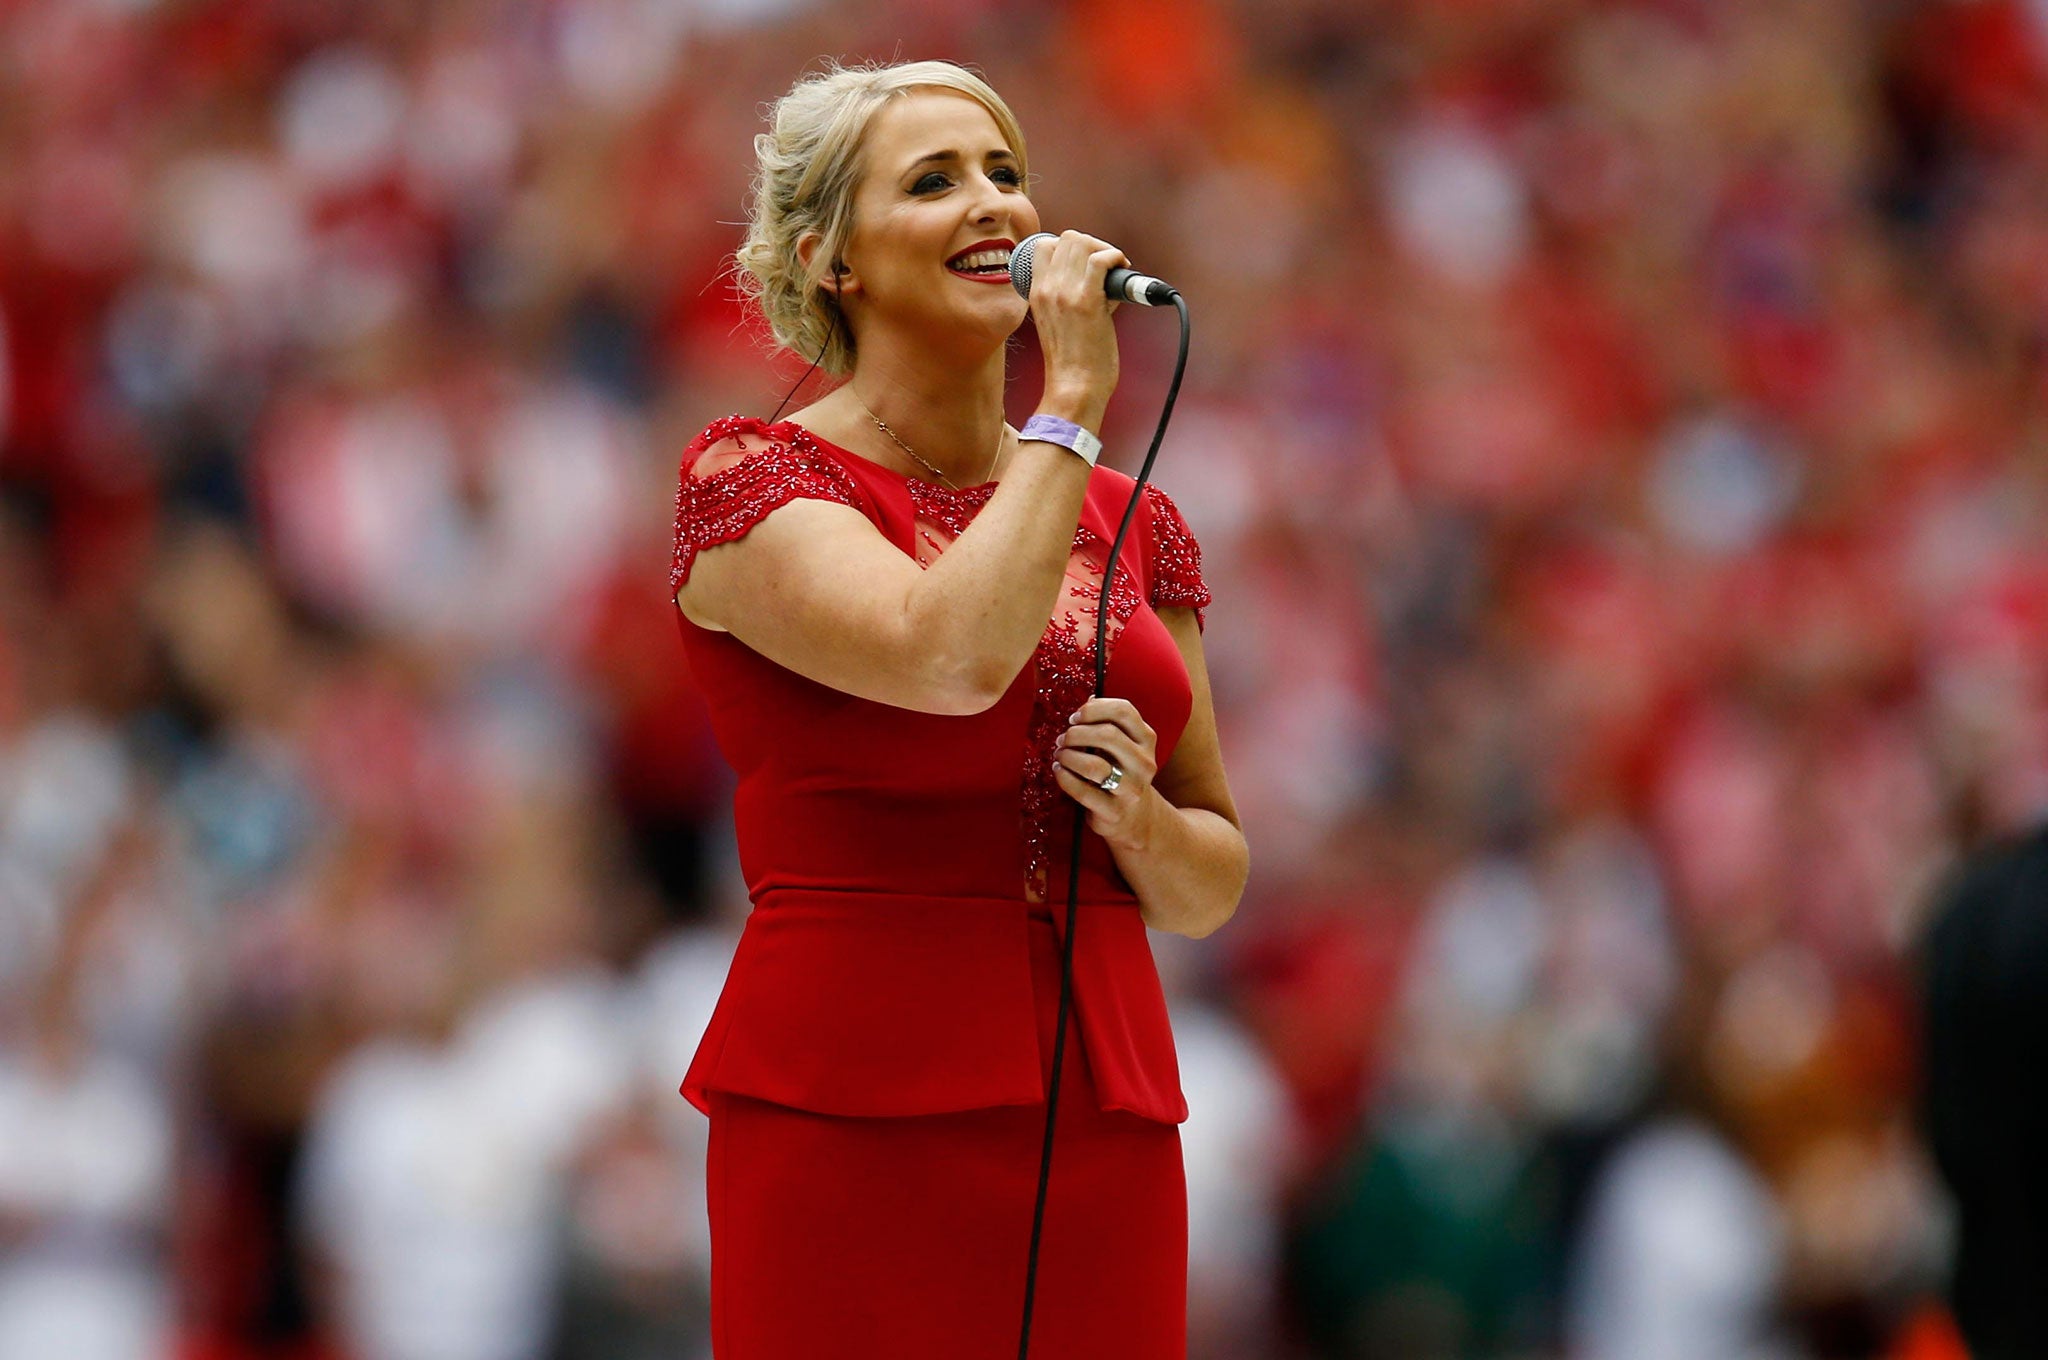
(1071, 307)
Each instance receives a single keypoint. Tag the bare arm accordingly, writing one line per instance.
(1175, 835)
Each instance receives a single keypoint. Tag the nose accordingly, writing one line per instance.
(988, 199)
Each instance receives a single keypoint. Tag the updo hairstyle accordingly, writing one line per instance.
(808, 167)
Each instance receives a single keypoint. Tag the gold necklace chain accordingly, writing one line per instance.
(914, 453)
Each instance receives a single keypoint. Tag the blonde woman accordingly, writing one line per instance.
(889, 601)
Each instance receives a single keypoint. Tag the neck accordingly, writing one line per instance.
(950, 412)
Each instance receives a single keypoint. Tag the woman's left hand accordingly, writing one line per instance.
(1100, 731)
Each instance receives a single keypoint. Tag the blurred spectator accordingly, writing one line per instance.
(438, 1149)
(1684, 1250)
(1682, 1257)
(85, 1167)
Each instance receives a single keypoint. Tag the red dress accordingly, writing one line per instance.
(877, 1066)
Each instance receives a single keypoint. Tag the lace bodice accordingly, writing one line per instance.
(740, 470)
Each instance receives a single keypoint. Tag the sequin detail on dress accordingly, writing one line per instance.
(1175, 560)
(1064, 678)
(724, 504)
(939, 507)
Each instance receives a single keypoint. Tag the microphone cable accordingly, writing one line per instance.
(1059, 1041)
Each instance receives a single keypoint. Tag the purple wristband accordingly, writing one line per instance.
(1064, 433)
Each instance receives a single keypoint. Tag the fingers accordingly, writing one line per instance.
(1094, 767)
(1079, 251)
(1075, 266)
(1096, 269)
(1104, 730)
(1109, 708)
(1086, 789)
(1109, 740)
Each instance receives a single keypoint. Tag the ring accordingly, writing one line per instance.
(1112, 781)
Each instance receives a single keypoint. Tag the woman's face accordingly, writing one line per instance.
(941, 202)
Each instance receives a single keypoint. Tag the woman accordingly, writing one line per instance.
(889, 603)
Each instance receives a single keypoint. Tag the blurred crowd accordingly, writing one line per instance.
(1617, 434)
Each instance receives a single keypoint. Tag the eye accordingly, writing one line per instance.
(937, 180)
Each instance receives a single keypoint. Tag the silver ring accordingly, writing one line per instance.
(1114, 780)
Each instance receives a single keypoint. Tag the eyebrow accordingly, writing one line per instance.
(1002, 154)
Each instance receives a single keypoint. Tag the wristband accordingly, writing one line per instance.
(1064, 433)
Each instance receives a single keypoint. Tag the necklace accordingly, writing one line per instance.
(897, 440)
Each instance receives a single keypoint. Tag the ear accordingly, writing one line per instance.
(837, 279)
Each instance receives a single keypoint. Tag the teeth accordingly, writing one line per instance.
(983, 259)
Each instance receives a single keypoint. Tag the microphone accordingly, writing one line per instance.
(1123, 284)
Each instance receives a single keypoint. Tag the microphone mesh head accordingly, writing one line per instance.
(1020, 261)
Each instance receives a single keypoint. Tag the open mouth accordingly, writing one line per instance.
(983, 260)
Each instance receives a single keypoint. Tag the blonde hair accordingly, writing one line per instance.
(808, 166)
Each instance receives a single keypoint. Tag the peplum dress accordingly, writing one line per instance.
(877, 1065)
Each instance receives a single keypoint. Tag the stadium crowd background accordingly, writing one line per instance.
(1616, 437)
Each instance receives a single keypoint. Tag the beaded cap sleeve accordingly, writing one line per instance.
(1176, 558)
(735, 473)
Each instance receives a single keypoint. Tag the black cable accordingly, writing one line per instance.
(834, 305)
(1059, 1041)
